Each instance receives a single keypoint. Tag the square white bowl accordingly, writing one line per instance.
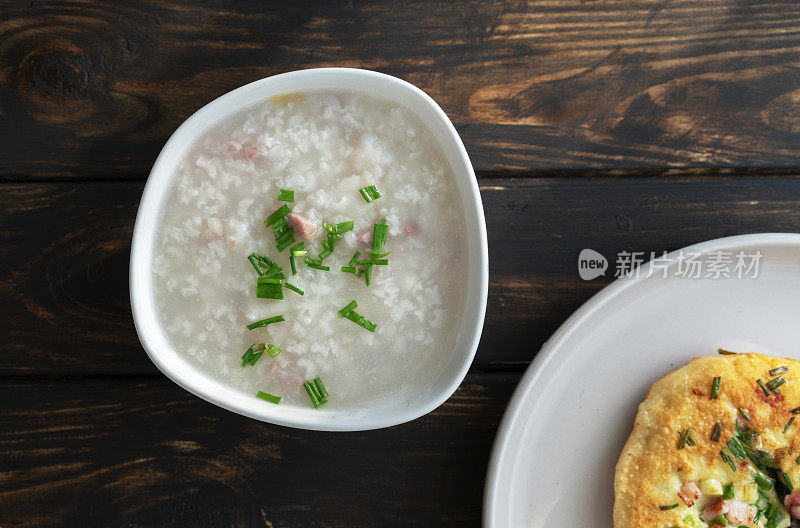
(185, 374)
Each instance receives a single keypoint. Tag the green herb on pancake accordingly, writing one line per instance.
(743, 414)
(728, 460)
(763, 387)
(773, 384)
(670, 507)
(716, 432)
(715, 388)
(788, 424)
(685, 438)
(777, 371)
(723, 352)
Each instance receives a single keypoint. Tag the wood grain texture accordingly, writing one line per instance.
(92, 89)
(147, 454)
(64, 305)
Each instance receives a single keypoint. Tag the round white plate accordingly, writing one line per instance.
(554, 455)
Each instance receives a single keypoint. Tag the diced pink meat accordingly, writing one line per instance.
(303, 227)
(713, 510)
(690, 492)
(233, 147)
(740, 512)
(412, 229)
(251, 151)
(365, 237)
(792, 503)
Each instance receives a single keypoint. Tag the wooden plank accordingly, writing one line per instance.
(125, 453)
(91, 89)
(64, 287)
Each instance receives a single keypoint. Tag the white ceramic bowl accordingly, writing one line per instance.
(187, 376)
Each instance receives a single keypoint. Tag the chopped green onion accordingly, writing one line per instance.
(763, 387)
(797, 460)
(294, 288)
(376, 262)
(670, 507)
(368, 271)
(348, 312)
(783, 369)
(253, 354)
(273, 351)
(312, 394)
(318, 267)
(268, 397)
(743, 413)
(285, 196)
(370, 193)
(689, 520)
(788, 424)
(727, 491)
(329, 228)
(320, 387)
(715, 388)
(719, 520)
(316, 391)
(787, 481)
(299, 253)
(775, 518)
(683, 439)
(325, 254)
(763, 481)
(277, 215)
(736, 448)
(723, 352)
(269, 288)
(379, 234)
(775, 383)
(715, 434)
(255, 262)
(293, 265)
(349, 308)
(796, 410)
(265, 322)
(343, 227)
(350, 269)
(316, 262)
(727, 460)
(288, 241)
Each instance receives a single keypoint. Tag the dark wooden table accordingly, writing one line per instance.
(638, 125)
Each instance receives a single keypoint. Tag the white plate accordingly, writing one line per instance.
(554, 456)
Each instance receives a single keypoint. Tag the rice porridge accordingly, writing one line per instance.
(329, 149)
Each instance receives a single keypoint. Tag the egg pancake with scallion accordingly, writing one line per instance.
(715, 443)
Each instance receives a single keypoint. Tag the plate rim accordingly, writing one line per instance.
(550, 347)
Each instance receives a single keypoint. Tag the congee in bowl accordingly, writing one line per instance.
(311, 251)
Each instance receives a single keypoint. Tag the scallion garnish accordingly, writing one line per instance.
(368, 273)
(379, 234)
(716, 432)
(294, 288)
(788, 424)
(787, 481)
(370, 193)
(684, 438)
(376, 262)
(348, 312)
(320, 388)
(316, 392)
(268, 397)
(325, 254)
(723, 352)
(775, 383)
(257, 263)
(301, 253)
(355, 257)
(715, 388)
(777, 371)
(797, 460)
(727, 460)
(719, 520)
(736, 448)
(763, 481)
(727, 491)
(343, 227)
(277, 215)
(253, 354)
(285, 196)
(269, 288)
(796, 410)
(265, 322)
(273, 351)
(317, 266)
(743, 414)
(670, 507)
(763, 387)
(350, 269)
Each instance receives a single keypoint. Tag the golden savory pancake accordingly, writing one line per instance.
(715, 443)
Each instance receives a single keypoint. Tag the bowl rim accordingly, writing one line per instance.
(142, 305)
